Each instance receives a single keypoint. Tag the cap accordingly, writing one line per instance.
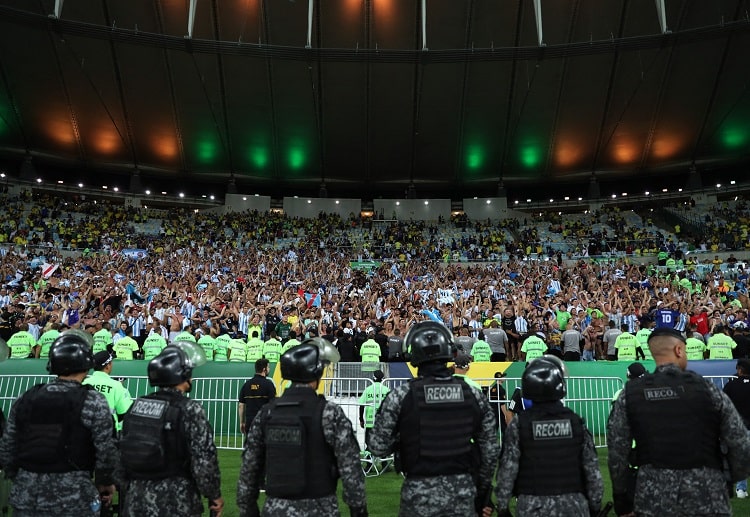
(462, 360)
(102, 359)
(636, 370)
(378, 375)
(500, 375)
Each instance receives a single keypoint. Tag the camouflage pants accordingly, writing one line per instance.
(438, 496)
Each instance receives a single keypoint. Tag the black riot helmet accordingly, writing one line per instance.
(428, 341)
(174, 365)
(307, 361)
(544, 379)
(71, 353)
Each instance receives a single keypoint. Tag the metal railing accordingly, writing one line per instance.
(590, 397)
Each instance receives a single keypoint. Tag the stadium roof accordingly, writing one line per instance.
(373, 95)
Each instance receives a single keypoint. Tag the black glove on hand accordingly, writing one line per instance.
(358, 512)
(623, 503)
(483, 499)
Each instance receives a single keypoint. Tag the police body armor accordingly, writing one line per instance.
(152, 443)
(551, 440)
(299, 462)
(670, 424)
(51, 436)
(439, 417)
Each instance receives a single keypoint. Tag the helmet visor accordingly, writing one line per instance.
(194, 353)
(328, 352)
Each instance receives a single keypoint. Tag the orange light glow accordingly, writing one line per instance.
(625, 152)
(666, 147)
(165, 147)
(567, 154)
(107, 141)
(384, 9)
(60, 130)
(353, 7)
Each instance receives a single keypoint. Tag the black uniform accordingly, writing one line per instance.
(550, 462)
(395, 348)
(256, 393)
(169, 456)
(56, 435)
(738, 391)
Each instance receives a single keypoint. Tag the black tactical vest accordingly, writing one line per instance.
(673, 423)
(551, 440)
(299, 462)
(152, 443)
(438, 419)
(51, 436)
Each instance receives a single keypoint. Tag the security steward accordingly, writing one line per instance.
(302, 444)
(57, 435)
(370, 401)
(169, 456)
(443, 430)
(549, 460)
(678, 421)
(254, 394)
(117, 395)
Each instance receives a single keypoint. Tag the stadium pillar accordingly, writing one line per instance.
(58, 8)
(538, 16)
(191, 18)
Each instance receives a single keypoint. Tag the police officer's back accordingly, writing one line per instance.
(677, 420)
(255, 394)
(57, 434)
(302, 444)
(443, 430)
(169, 456)
(549, 460)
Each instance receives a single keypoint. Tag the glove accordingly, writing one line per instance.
(623, 503)
(358, 511)
(483, 499)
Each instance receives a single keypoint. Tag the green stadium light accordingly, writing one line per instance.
(206, 150)
(259, 157)
(531, 156)
(296, 157)
(734, 137)
(474, 157)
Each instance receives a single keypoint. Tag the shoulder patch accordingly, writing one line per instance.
(149, 408)
(443, 394)
(552, 429)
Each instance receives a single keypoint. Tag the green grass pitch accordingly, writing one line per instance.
(383, 491)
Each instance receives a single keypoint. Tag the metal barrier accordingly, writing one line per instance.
(590, 397)
(719, 380)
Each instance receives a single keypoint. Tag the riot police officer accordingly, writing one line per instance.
(443, 430)
(549, 460)
(680, 423)
(57, 434)
(169, 457)
(302, 444)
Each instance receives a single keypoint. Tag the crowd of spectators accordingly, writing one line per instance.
(219, 274)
